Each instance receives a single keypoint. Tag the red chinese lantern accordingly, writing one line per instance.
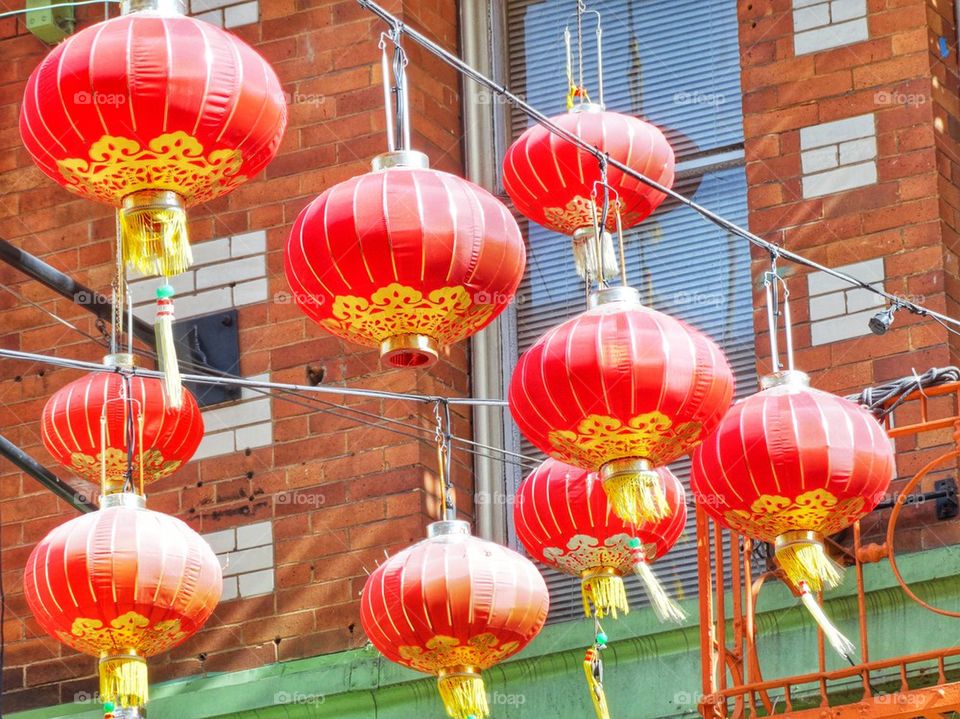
(564, 520)
(621, 389)
(153, 112)
(86, 426)
(552, 181)
(790, 465)
(122, 584)
(454, 605)
(404, 258)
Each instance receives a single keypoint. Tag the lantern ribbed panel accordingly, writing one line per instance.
(792, 459)
(551, 181)
(70, 427)
(404, 251)
(122, 578)
(563, 519)
(426, 606)
(116, 101)
(620, 381)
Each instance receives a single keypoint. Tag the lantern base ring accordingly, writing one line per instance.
(123, 680)
(409, 350)
(635, 490)
(802, 557)
(603, 592)
(463, 693)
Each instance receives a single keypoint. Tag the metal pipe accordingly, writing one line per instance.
(716, 219)
(65, 286)
(44, 476)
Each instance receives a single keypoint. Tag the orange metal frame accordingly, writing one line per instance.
(733, 682)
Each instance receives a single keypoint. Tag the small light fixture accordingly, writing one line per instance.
(880, 322)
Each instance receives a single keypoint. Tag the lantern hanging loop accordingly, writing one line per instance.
(443, 438)
(611, 261)
(396, 102)
(773, 285)
(577, 94)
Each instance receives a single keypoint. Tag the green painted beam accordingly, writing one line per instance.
(652, 670)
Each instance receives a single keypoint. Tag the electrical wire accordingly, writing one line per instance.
(603, 158)
(883, 399)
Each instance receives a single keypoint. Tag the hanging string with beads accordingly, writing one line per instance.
(443, 437)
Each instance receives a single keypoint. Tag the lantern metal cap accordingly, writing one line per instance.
(448, 527)
(409, 350)
(165, 7)
(785, 378)
(123, 499)
(588, 107)
(410, 159)
(616, 293)
(120, 359)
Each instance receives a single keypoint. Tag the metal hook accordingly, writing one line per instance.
(396, 104)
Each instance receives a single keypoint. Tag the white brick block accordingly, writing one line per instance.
(225, 273)
(247, 392)
(229, 589)
(250, 293)
(859, 300)
(840, 328)
(258, 435)
(256, 583)
(832, 133)
(826, 306)
(840, 179)
(861, 150)
(211, 251)
(841, 10)
(822, 158)
(203, 303)
(249, 560)
(204, 5)
(213, 445)
(144, 291)
(237, 414)
(830, 36)
(238, 15)
(869, 271)
(214, 17)
(222, 541)
(808, 3)
(811, 17)
(250, 243)
(254, 535)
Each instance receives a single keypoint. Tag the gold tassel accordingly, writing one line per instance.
(123, 681)
(153, 229)
(603, 593)
(841, 645)
(585, 255)
(166, 347)
(463, 694)
(802, 558)
(594, 673)
(634, 491)
(663, 606)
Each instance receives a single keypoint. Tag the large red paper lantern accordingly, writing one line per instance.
(153, 112)
(790, 465)
(621, 389)
(564, 520)
(86, 427)
(404, 258)
(552, 181)
(122, 584)
(454, 605)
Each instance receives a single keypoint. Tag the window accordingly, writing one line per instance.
(677, 65)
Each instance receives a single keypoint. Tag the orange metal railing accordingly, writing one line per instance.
(733, 682)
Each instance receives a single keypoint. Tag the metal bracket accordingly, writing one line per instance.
(210, 341)
(947, 505)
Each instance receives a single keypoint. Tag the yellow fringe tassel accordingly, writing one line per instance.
(637, 497)
(464, 695)
(153, 228)
(606, 593)
(585, 255)
(166, 347)
(123, 681)
(807, 561)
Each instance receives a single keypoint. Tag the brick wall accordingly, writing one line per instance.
(298, 514)
(850, 114)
